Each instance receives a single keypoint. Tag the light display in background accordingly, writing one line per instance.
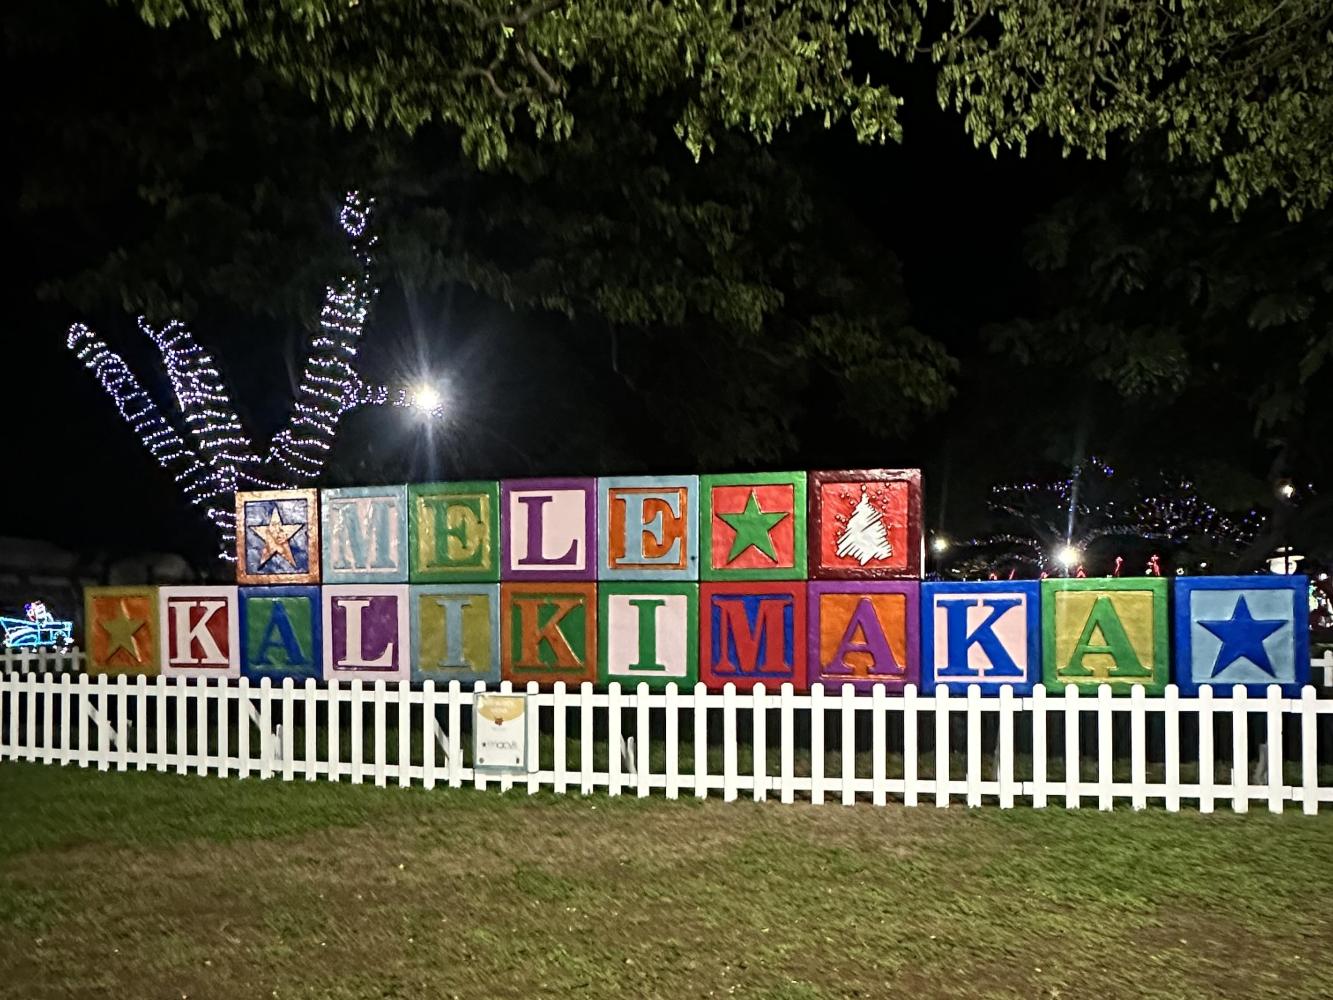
(205, 446)
(39, 629)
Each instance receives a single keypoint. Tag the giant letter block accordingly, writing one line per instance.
(649, 632)
(277, 537)
(1250, 630)
(751, 633)
(752, 526)
(281, 633)
(548, 632)
(121, 626)
(454, 532)
(548, 529)
(649, 528)
(983, 632)
(365, 534)
(863, 634)
(201, 631)
(865, 524)
(366, 632)
(1107, 631)
(456, 633)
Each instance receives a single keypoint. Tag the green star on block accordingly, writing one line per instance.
(752, 527)
(121, 633)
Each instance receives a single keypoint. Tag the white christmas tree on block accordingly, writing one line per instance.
(864, 538)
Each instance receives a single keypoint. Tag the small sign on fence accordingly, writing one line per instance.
(500, 730)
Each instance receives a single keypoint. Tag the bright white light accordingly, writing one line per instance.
(1067, 556)
(1287, 491)
(427, 399)
(939, 544)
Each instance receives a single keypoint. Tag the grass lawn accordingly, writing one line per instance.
(160, 886)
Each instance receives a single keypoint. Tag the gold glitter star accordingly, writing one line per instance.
(120, 632)
(277, 538)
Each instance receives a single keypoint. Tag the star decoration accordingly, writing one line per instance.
(752, 527)
(120, 632)
(277, 538)
(1243, 637)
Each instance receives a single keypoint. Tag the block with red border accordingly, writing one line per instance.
(548, 632)
(200, 630)
(752, 526)
(864, 633)
(865, 524)
(751, 633)
(121, 630)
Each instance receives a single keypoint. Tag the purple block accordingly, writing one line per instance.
(548, 529)
(864, 634)
(366, 632)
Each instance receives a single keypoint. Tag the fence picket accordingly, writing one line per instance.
(759, 741)
(404, 734)
(265, 729)
(787, 743)
(816, 743)
(160, 715)
(1240, 749)
(1171, 747)
(310, 720)
(1138, 749)
(455, 734)
(66, 706)
(355, 705)
(288, 725)
(1276, 791)
(1073, 777)
(672, 741)
(848, 751)
(642, 739)
(1309, 751)
(1105, 747)
(182, 745)
(48, 718)
(1005, 765)
(700, 741)
(140, 720)
(428, 738)
(942, 718)
(380, 732)
(1206, 765)
(973, 745)
(333, 723)
(909, 746)
(1039, 709)
(729, 765)
(878, 746)
(613, 737)
(560, 748)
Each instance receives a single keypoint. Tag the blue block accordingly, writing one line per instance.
(364, 532)
(281, 633)
(1248, 630)
(985, 632)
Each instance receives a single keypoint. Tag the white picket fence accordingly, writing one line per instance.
(816, 746)
(41, 661)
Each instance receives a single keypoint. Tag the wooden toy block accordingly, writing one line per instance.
(1248, 630)
(548, 632)
(649, 528)
(1105, 631)
(865, 524)
(548, 529)
(201, 631)
(281, 633)
(752, 632)
(981, 632)
(121, 629)
(454, 532)
(364, 530)
(277, 537)
(456, 633)
(367, 632)
(752, 526)
(863, 633)
(648, 633)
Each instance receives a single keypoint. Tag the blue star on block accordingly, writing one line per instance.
(1246, 631)
(1243, 635)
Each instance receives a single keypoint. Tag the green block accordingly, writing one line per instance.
(752, 526)
(453, 532)
(648, 632)
(1105, 631)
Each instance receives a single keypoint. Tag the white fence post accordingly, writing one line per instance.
(1240, 749)
(942, 717)
(816, 743)
(1073, 768)
(759, 741)
(1171, 747)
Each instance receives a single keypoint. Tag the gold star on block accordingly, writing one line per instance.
(277, 538)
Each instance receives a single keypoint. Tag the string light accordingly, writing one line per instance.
(38, 629)
(208, 450)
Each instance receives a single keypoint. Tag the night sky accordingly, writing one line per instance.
(951, 215)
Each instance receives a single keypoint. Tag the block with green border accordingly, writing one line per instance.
(648, 632)
(752, 526)
(1105, 631)
(453, 532)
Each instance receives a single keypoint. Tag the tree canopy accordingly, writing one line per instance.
(1246, 87)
